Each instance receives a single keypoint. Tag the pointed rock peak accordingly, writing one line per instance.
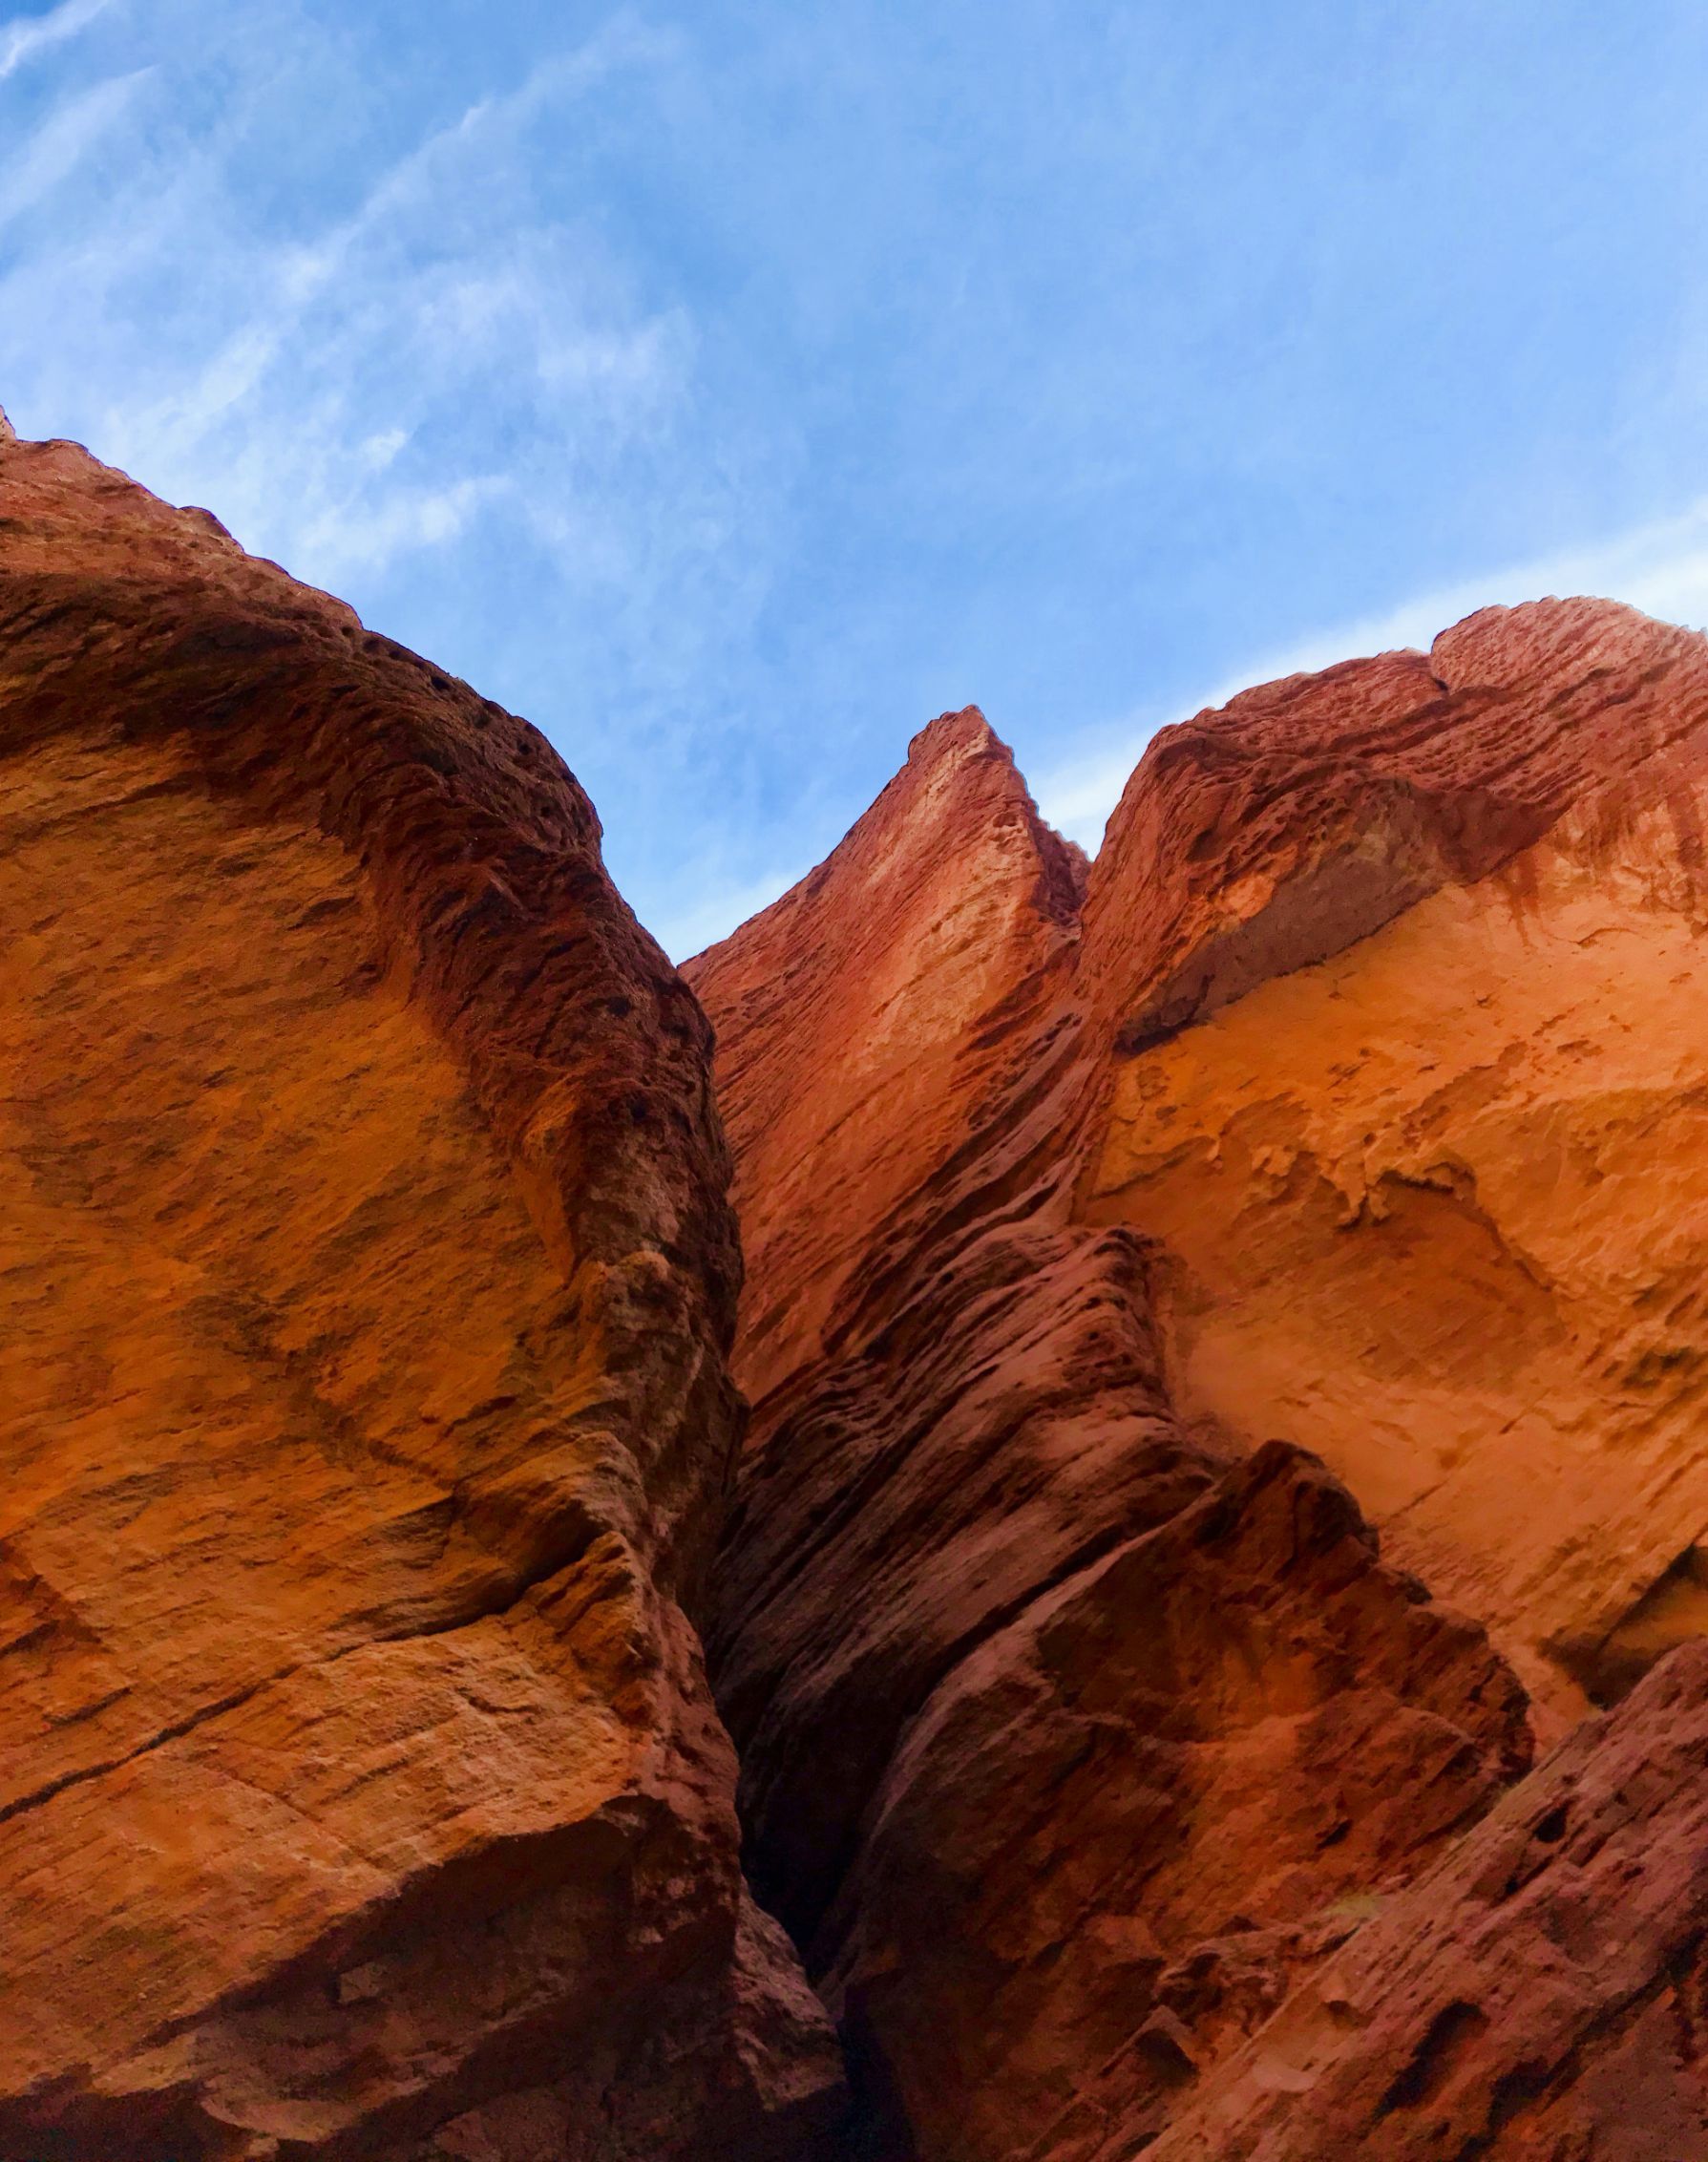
(959, 803)
(988, 801)
(8, 433)
(957, 735)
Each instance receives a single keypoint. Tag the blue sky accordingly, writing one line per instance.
(729, 388)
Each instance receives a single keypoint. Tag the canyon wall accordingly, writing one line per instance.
(1120, 1270)
(368, 1280)
(1223, 1329)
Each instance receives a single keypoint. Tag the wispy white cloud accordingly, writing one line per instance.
(674, 386)
(351, 388)
(23, 36)
(1660, 567)
(718, 905)
(52, 154)
(428, 377)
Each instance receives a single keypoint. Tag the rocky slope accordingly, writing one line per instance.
(1351, 1116)
(363, 1401)
(1542, 1991)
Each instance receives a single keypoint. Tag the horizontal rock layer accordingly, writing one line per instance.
(367, 1283)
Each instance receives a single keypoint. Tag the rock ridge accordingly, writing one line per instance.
(1081, 1720)
(1223, 1333)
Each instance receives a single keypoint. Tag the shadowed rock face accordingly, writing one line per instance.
(363, 1408)
(1356, 1106)
(1015, 1664)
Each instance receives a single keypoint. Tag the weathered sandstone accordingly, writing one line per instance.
(1008, 1656)
(1354, 1114)
(1541, 1992)
(1167, 1279)
(876, 1020)
(368, 1282)
(1435, 1189)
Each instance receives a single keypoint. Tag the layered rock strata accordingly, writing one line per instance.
(1460, 1120)
(1015, 1664)
(363, 1406)
(1163, 1275)
(1352, 1115)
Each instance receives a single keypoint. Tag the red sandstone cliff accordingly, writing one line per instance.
(1162, 1278)
(1353, 1117)
(363, 1405)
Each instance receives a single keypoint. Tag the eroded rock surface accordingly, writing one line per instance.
(1008, 1653)
(1542, 1991)
(368, 1280)
(1126, 1254)
(1468, 1140)
(1354, 1115)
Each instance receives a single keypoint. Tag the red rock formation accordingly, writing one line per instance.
(1543, 1991)
(973, 1631)
(1121, 1822)
(364, 1411)
(1360, 1107)
(907, 977)
(367, 1422)
(1461, 1121)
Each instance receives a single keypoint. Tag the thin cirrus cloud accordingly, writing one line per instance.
(22, 40)
(419, 377)
(729, 388)
(271, 381)
(53, 153)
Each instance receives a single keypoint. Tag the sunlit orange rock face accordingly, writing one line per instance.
(1438, 1204)
(363, 1409)
(1121, 1271)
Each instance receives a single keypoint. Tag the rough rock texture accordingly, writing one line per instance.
(363, 1407)
(908, 977)
(1114, 1242)
(1356, 1114)
(1470, 1140)
(1122, 1822)
(1008, 1654)
(1541, 1992)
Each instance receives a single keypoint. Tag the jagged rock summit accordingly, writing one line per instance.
(363, 1409)
(1119, 1272)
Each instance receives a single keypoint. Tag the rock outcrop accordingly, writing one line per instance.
(1166, 1279)
(1348, 1126)
(1460, 1120)
(1016, 1665)
(367, 1285)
